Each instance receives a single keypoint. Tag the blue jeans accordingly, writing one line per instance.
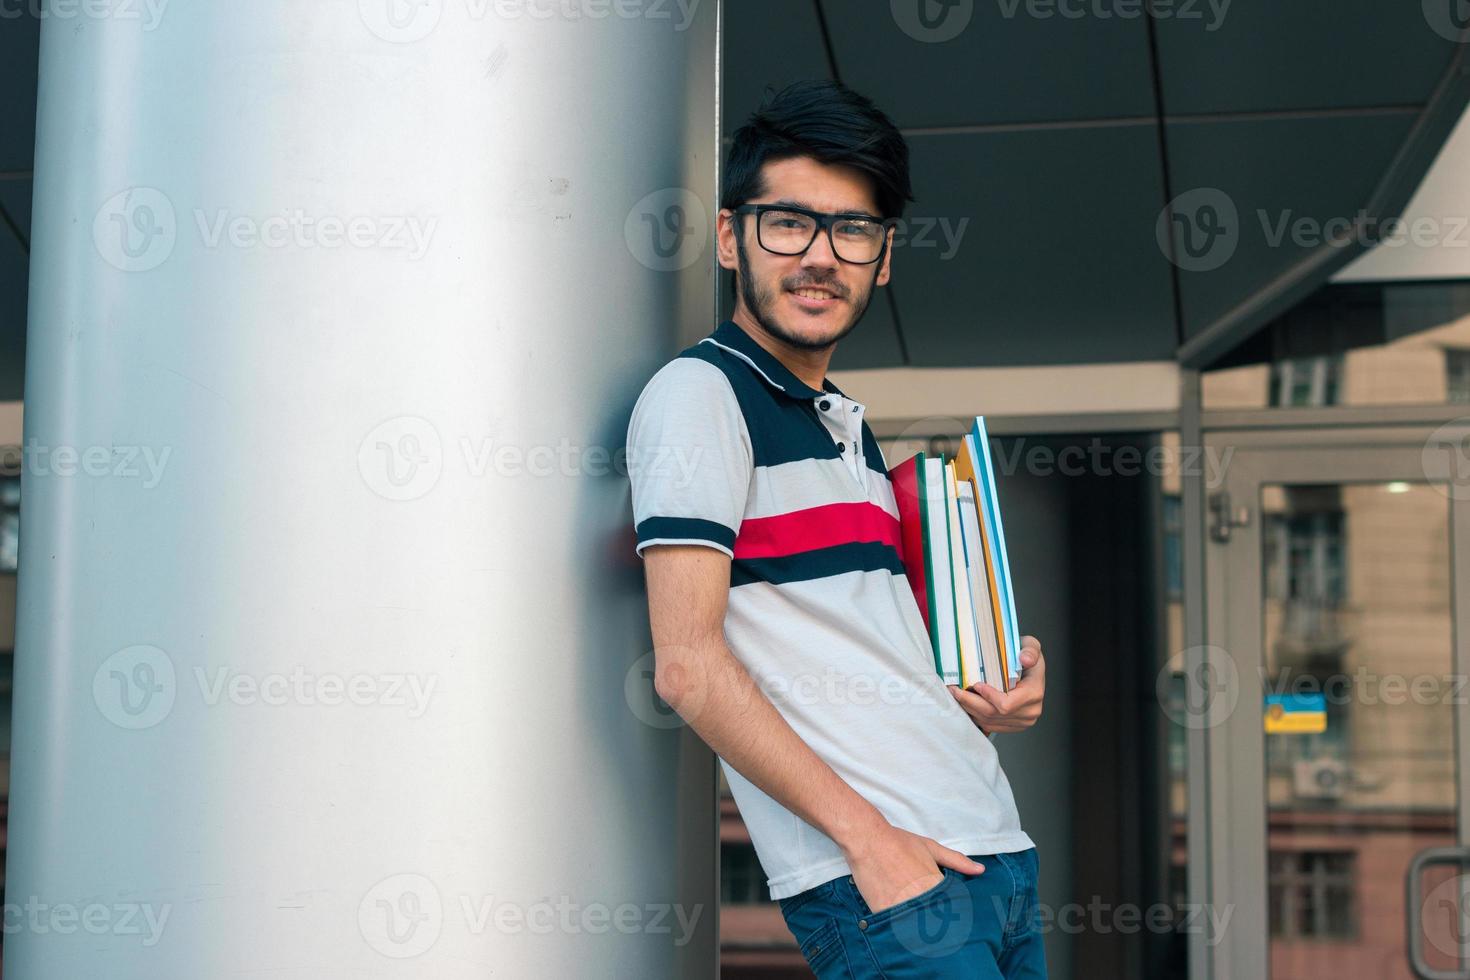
(976, 926)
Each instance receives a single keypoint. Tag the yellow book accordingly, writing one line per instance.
(965, 469)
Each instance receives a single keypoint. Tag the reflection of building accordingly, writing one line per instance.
(1356, 606)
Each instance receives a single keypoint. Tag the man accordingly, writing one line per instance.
(784, 630)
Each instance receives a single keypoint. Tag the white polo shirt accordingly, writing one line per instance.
(790, 483)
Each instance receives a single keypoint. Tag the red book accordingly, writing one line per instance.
(905, 477)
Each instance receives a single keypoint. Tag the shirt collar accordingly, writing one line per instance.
(731, 337)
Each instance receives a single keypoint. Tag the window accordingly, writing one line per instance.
(1312, 894)
(1457, 374)
(1304, 557)
(1306, 381)
(742, 882)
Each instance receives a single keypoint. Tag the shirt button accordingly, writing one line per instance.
(824, 404)
(842, 447)
(854, 408)
(862, 923)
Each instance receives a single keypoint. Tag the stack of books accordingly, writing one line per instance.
(954, 552)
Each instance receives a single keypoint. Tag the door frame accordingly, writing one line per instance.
(1231, 784)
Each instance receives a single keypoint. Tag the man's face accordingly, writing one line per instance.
(812, 300)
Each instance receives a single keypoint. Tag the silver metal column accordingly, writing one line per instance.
(331, 635)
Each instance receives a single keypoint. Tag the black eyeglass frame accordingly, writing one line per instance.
(825, 220)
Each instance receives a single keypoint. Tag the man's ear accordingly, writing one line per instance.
(884, 270)
(727, 226)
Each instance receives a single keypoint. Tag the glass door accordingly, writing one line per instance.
(1338, 567)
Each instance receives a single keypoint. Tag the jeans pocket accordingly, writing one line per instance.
(927, 895)
(824, 953)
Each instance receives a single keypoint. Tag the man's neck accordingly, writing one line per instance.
(810, 366)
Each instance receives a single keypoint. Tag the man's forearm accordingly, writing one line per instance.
(714, 693)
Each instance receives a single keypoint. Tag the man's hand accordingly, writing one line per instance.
(1008, 711)
(893, 865)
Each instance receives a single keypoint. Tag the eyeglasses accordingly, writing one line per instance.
(784, 229)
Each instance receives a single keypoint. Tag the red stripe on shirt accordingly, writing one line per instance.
(815, 527)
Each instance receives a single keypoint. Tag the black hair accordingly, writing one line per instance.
(829, 122)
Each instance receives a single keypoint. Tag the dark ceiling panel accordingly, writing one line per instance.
(15, 198)
(1005, 65)
(14, 270)
(1058, 263)
(1301, 54)
(1271, 173)
(767, 43)
(19, 47)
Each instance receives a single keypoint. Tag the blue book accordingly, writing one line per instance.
(989, 505)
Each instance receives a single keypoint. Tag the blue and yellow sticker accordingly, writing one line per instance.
(1296, 714)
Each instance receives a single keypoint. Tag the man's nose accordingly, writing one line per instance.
(820, 254)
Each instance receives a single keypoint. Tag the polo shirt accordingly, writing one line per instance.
(728, 449)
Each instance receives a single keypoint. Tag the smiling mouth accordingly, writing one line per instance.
(814, 293)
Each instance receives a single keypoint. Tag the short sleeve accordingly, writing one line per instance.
(689, 458)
